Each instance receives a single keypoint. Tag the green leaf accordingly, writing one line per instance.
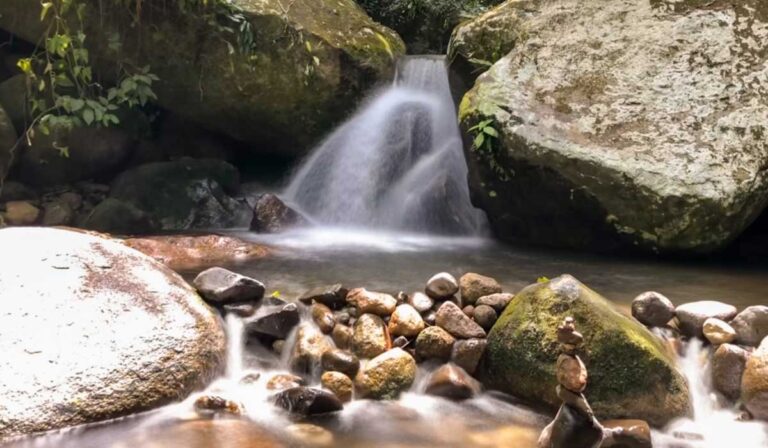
(88, 116)
(76, 104)
(479, 139)
(491, 131)
(46, 6)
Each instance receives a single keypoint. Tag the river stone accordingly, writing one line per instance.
(420, 301)
(434, 343)
(338, 383)
(751, 325)
(442, 286)
(115, 331)
(386, 376)
(370, 337)
(342, 336)
(453, 382)
(323, 317)
(341, 361)
(307, 350)
(587, 154)
(653, 309)
(376, 303)
(692, 316)
(485, 316)
(21, 213)
(307, 66)
(308, 401)
(718, 332)
(754, 383)
(728, 364)
(405, 321)
(333, 296)
(473, 286)
(632, 373)
(454, 321)
(496, 301)
(184, 194)
(571, 429)
(626, 434)
(469, 310)
(571, 373)
(210, 405)
(221, 286)
(272, 215)
(57, 213)
(284, 381)
(273, 321)
(467, 353)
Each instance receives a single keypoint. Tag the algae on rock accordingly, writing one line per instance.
(632, 374)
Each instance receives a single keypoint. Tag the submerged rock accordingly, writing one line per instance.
(308, 401)
(387, 375)
(751, 325)
(692, 316)
(122, 330)
(571, 428)
(285, 381)
(221, 286)
(209, 405)
(754, 383)
(451, 381)
(473, 286)
(653, 309)
(587, 155)
(310, 435)
(272, 215)
(204, 433)
(632, 374)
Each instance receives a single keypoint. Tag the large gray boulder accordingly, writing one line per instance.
(92, 330)
(644, 128)
(309, 63)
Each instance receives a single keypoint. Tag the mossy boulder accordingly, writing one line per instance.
(644, 129)
(631, 372)
(425, 25)
(309, 64)
(184, 194)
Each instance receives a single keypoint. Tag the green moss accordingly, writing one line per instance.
(632, 375)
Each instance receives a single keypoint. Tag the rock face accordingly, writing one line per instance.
(115, 331)
(751, 325)
(587, 124)
(272, 215)
(631, 372)
(184, 194)
(754, 383)
(387, 375)
(306, 68)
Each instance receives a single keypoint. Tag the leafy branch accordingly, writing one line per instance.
(485, 143)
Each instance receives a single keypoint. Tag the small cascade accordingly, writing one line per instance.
(397, 164)
(715, 422)
(235, 346)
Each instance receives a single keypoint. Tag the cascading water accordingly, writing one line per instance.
(398, 164)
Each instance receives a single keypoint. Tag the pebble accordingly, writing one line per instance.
(370, 337)
(342, 336)
(420, 301)
(323, 317)
(452, 382)
(434, 343)
(485, 316)
(308, 401)
(751, 325)
(333, 296)
(221, 286)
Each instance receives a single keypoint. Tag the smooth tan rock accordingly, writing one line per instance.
(387, 375)
(754, 383)
(420, 301)
(728, 364)
(454, 321)
(370, 337)
(718, 332)
(342, 336)
(434, 343)
(406, 321)
(308, 350)
(284, 381)
(323, 317)
(496, 301)
(21, 213)
(371, 302)
(571, 373)
(338, 383)
(473, 286)
(309, 435)
(341, 361)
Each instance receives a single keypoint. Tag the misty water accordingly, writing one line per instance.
(388, 196)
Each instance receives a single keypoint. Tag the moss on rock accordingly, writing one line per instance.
(631, 373)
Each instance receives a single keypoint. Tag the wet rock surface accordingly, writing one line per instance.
(274, 321)
(308, 401)
(221, 286)
(453, 382)
(333, 296)
(272, 215)
(728, 364)
(93, 313)
(341, 361)
(377, 303)
(442, 286)
(434, 343)
(387, 375)
(370, 337)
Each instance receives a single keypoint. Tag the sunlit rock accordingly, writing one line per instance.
(86, 314)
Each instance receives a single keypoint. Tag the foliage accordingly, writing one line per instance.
(485, 143)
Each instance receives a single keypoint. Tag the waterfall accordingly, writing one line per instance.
(397, 164)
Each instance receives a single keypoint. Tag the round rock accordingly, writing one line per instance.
(338, 383)
(387, 375)
(754, 383)
(370, 336)
(496, 301)
(718, 332)
(221, 286)
(692, 315)
(571, 373)
(341, 361)
(652, 309)
(420, 301)
(485, 316)
(473, 286)
(728, 364)
(405, 321)
(442, 286)
(434, 343)
(751, 325)
(371, 302)
(115, 332)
